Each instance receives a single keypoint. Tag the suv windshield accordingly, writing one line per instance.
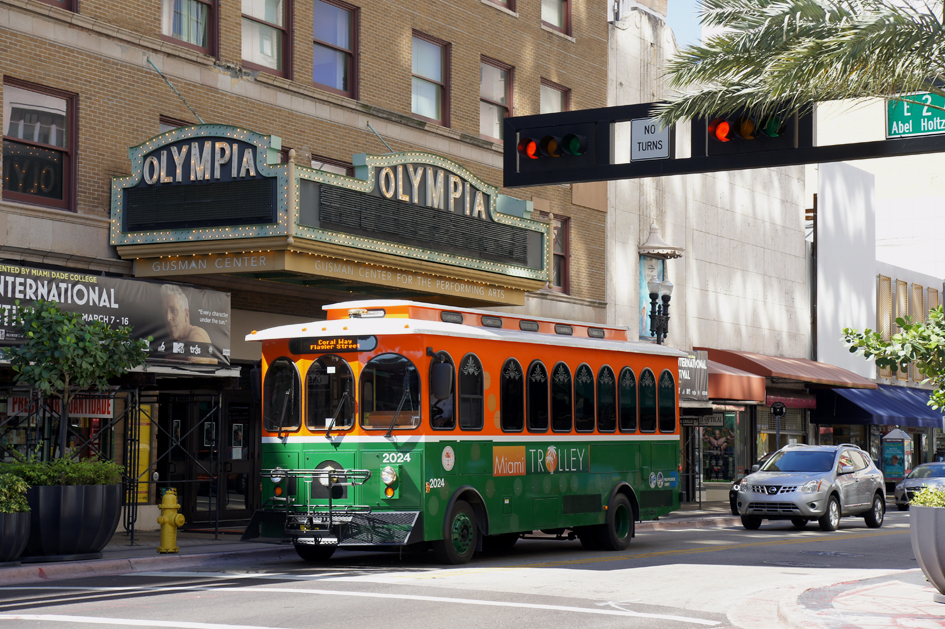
(928, 471)
(800, 461)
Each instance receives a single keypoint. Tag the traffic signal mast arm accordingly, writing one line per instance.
(579, 146)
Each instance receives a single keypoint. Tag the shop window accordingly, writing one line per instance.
(329, 165)
(282, 398)
(606, 400)
(627, 396)
(512, 396)
(495, 97)
(470, 393)
(39, 136)
(554, 98)
(390, 393)
(430, 85)
(329, 389)
(190, 23)
(647, 401)
(556, 14)
(335, 47)
(266, 36)
(718, 449)
(667, 402)
(584, 399)
(536, 408)
(561, 400)
(442, 416)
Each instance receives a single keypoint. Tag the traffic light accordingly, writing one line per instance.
(749, 134)
(553, 146)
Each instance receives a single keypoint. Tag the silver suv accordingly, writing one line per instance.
(802, 483)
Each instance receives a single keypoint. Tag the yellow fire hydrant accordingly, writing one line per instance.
(170, 521)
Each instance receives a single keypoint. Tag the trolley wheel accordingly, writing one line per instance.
(315, 553)
(499, 543)
(459, 535)
(751, 522)
(799, 523)
(617, 530)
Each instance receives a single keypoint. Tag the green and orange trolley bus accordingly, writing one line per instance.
(395, 423)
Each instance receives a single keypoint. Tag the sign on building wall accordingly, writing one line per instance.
(188, 324)
(694, 376)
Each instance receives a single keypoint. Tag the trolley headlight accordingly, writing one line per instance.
(277, 475)
(388, 475)
(325, 475)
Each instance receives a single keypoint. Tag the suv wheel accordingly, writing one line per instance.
(751, 522)
(874, 517)
(830, 520)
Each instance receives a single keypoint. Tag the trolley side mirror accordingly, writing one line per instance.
(441, 380)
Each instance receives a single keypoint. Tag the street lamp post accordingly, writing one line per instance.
(659, 313)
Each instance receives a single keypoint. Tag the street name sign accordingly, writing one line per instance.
(918, 116)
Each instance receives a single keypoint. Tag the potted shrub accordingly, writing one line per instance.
(927, 530)
(75, 505)
(14, 517)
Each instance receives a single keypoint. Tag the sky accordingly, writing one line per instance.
(683, 18)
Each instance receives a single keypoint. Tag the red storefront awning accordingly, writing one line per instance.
(729, 383)
(800, 369)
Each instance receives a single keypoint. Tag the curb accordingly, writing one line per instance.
(792, 614)
(37, 572)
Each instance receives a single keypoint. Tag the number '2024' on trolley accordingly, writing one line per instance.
(396, 423)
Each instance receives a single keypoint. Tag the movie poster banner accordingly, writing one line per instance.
(188, 325)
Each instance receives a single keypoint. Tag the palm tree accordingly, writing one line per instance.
(784, 55)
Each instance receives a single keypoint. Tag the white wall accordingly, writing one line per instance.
(846, 262)
(742, 282)
(245, 321)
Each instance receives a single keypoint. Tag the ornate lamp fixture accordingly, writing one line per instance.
(656, 247)
(659, 313)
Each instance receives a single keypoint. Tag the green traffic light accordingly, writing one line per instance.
(574, 144)
(772, 127)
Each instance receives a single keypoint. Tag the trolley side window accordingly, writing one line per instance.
(470, 393)
(390, 393)
(667, 408)
(606, 400)
(442, 416)
(536, 399)
(647, 401)
(628, 400)
(512, 396)
(561, 408)
(584, 399)
(282, 397)
(329, 391)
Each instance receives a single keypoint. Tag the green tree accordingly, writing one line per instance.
(64, 355)
(919, 344)
(774, 56)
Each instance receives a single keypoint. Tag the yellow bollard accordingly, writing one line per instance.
(170, 521)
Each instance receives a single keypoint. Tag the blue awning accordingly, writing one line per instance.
(886, 406)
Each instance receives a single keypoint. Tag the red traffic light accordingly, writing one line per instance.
(527, 147)
(553, 146)
(720, 129)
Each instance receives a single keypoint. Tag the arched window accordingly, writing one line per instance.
(584, 399)
(512, 396)
(647, 401)
(442, 416)
(329, 389)
(606, 400)
(470, 393)
(627, 396)
(390, 393)
(282, 397)
(536, 400)
(667, 408)
(561, 406)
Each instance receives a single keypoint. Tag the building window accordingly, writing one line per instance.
(335, 47)
(330, 165)
(429, 93)
(557, 15)
(68, 5)
(39, 137)
(560, 252)
(495, 97)
(505, 4)
(188, 22)
(554, 98)
(266, 35)
(166, 123)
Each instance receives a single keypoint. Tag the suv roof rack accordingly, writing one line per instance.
(849, 445)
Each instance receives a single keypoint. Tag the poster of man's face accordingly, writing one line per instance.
(650, 268)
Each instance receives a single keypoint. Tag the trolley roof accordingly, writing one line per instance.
(396, 317)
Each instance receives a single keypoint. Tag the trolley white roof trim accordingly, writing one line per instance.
(400, 326)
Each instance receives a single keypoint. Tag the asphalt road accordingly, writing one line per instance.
(715, 577)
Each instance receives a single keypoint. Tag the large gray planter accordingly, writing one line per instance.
(14, 532)
(927, 530)
(72, 519)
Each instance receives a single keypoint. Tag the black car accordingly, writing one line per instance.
(733, 490)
